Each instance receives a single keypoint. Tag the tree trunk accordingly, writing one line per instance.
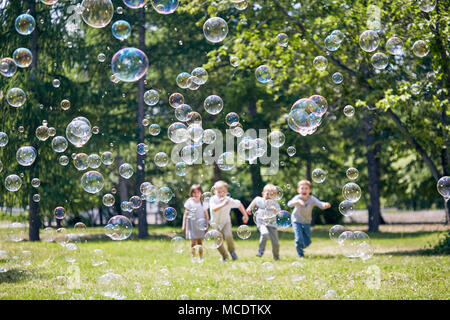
(217, 172)
(374, 175)
(140, 167)
(33, 216)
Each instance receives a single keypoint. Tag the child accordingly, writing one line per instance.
(265, 215)
(303, 204)
(220, 205)
(195, 210)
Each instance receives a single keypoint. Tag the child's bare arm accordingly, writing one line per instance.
(183, 228)
(250, 206)
(244, 213)
(326, 205)
(220, 206)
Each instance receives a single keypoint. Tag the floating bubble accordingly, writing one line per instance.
(65, 104)
(189, 154)
(443, 187)
(200, 74)
(215, 29)
(181, 169)
(263, 74)
(213, 239)
(169, 214)
(320, 63)
(346, 208)
(142, 149)
(63, 160)
(36, 197)
(226, 161)
(59, 213)
(346, 241)
(3, 139)
(125, 206)
(59, 144)
(318, 175)
(81, 161)
(118, 228)
(244, 232)
(101, 57)
(134, 4)
(49, 2)
(121, 29)
(35, 182)
(16, 97)
(25, 24)
(241, 5)
(97, 13)
(112, 285)
(154, 129)
(178, 132)
(379, 60)
(22, 57)
(97, 258)
(107, 158)
(338, 34)
(182, 112)
(183, 80)
(369, 40)
(420, 48)
(78, 131)
(126, 170)
(165, 194)
(26, 156)
(94, 161)
(108, 200)
(135, 202)
(394, 46)
(427, 5)
(151, 97)
(161, 159)
(176, 99)
(237, 130)
(56, 83)
(213, 104)
(349, 111)
(332, 42)
(282, 39)
(92, 181)
(13, 183)
(352, 173)
(195, 132)
(283, 219)
(178, 244)
(234, 61)
(129, 64)
(194, 118)
(8, 67)
(231, 118)
(337, 77)
(268, 271)
(277, 138)
(209, 136)
(351, 192)
(165, 6)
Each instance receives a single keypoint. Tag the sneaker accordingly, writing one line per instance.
(233, 255)
(276, 258)
(259, 254)
(224, 259)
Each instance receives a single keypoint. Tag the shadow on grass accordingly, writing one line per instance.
(13, 276)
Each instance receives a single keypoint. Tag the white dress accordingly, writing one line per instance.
(195, 220)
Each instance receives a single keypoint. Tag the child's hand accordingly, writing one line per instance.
(249, 212)
(302, 203)
(245, 219)
(327, 205)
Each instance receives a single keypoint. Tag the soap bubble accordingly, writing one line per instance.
(263, 74)
(369, 40)
(200, 74)
(107, 158)
(97, 13)
(59, 144)
(16, 97)
(226, 161)
(165, 194)
(283, 219)
(276, 138)
(112, 285)
(161, 159)
(63, 160)
(352, 173)
(183, 80)
(3, 139)
(182, 112)
(92, 181)
(320, 63)
(17, 231)
(129, 64)
(349, 111)
(135, 202)
(346, 208)
(176, 99)
(178, 244)
(78, 131)
(169, 214)
(59, 213)
(427, 5)
(49, 2)
(81, 161)
(420, 48)
(42, 133)
(22, 57)
(337, 77)
(351, 192)
(379, 60)
(231, 118)
(8, 67)
(108, 200)
(65, 104)
(154, 129)
(338, 34)
(101, 57)
(125, 206)
(241, 5)
(134, 4)
(215, 29)
(181, 169)
(56, 83)
(195, 133)
(142, 149)
(443, 187)
(346, 241)
(36, 197)
(151, 97)
(118, 228)
(194, 118)
(177, 132)
(25, 24)
(165, 6)
(35, 182)
(26, 156)
(282, 39)
(190, 154)
(213, 239)
(237, 130)
(268, 271)
(126, 170)
(318, 175)
(213, 104)
(394, 46)
(94, 161)
(244, 232)
(209, 136)
(13, 182)
(234, 61)
(332, 42)
(121, 29)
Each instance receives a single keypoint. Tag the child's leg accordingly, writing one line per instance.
(307, 234)
(299, 243)
(262, 238)
(193, 243)
(221, 249)
(273, 233)
(228, 235)
(200, 251)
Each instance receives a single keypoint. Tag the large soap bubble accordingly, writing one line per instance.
(26, 156)
(351, 192)
(178, 132)
(118, 228)
(135, 4)
(16, 97)
(112, 285)
(443, 187)
(13, 182)
(25, 24)
(215, 29)
(165, 6)
(59, 144)
(78, 131)
(97, 13)
(92, 181)
(213, 239)
(8, 67)
(129, 64)
(22, 57)
(369, 40)
(121, 29)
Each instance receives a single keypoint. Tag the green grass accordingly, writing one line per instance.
(151, 270)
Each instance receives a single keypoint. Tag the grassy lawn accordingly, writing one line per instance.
(150, 269)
